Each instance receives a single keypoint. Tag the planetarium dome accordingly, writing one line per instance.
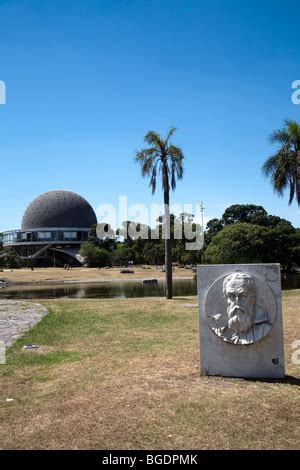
(59, 209)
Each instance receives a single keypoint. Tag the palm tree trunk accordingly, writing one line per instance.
(168, 247)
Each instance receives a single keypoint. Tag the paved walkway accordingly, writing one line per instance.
(17, 317)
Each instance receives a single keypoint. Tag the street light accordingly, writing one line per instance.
(202, 212)
(201, 206)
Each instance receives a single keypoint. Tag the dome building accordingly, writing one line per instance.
(54, 226)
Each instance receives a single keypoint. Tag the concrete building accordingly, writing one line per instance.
(54, 226)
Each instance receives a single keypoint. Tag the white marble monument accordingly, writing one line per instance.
(240, 317)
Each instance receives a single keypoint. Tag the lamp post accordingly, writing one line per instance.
(202, 224)
(202, 212)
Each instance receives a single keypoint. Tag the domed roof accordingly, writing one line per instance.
(59, 209)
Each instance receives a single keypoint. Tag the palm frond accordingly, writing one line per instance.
(171, 131)
(279, 180)
(281, 136)
(146, 158)
(144, 154)
(269, 165)
(283, 168)
(161, 158)
(154, 139)
(176, 156)
(173, 175)
(292, 126)
(292, 190)
(152, 183)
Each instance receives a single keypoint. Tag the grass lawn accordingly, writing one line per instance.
(124, 374)
(51, 275)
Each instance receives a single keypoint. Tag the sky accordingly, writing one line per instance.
(86, 79)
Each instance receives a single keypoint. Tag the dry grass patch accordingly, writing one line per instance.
(124, 374)
(46, 275)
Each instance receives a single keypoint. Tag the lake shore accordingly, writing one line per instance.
(58, 276)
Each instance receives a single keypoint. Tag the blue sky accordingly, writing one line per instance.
(87, 79)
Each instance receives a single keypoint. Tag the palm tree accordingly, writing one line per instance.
(283, 167)
(164, 159)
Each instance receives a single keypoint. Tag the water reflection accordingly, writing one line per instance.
(109, 290)
(112, 290)
(290, 281)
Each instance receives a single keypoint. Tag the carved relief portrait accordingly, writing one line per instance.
(240, 308)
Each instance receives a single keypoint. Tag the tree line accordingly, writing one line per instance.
(244, 234)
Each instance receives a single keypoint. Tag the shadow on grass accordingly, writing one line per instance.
(288, 379)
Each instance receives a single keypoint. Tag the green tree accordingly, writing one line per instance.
(108, 241)
(136, 238)
(283, 168)
(153, 253)
(213, 227)
(241, 213)
(164, 159)
(249, 243)
(248, 213)
(93, 255)
(186, 227)
(284, 245)
(296, 248)
(122, 255)
(2, 260)
(12, 260)
(238, 243)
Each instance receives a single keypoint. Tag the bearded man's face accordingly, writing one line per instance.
(240, 306)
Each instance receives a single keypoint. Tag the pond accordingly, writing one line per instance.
(290, 281)
(115, 289)
(101, 290)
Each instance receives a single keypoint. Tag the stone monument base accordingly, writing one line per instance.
(226, 294)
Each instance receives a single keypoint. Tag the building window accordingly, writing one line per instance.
(67, 236)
